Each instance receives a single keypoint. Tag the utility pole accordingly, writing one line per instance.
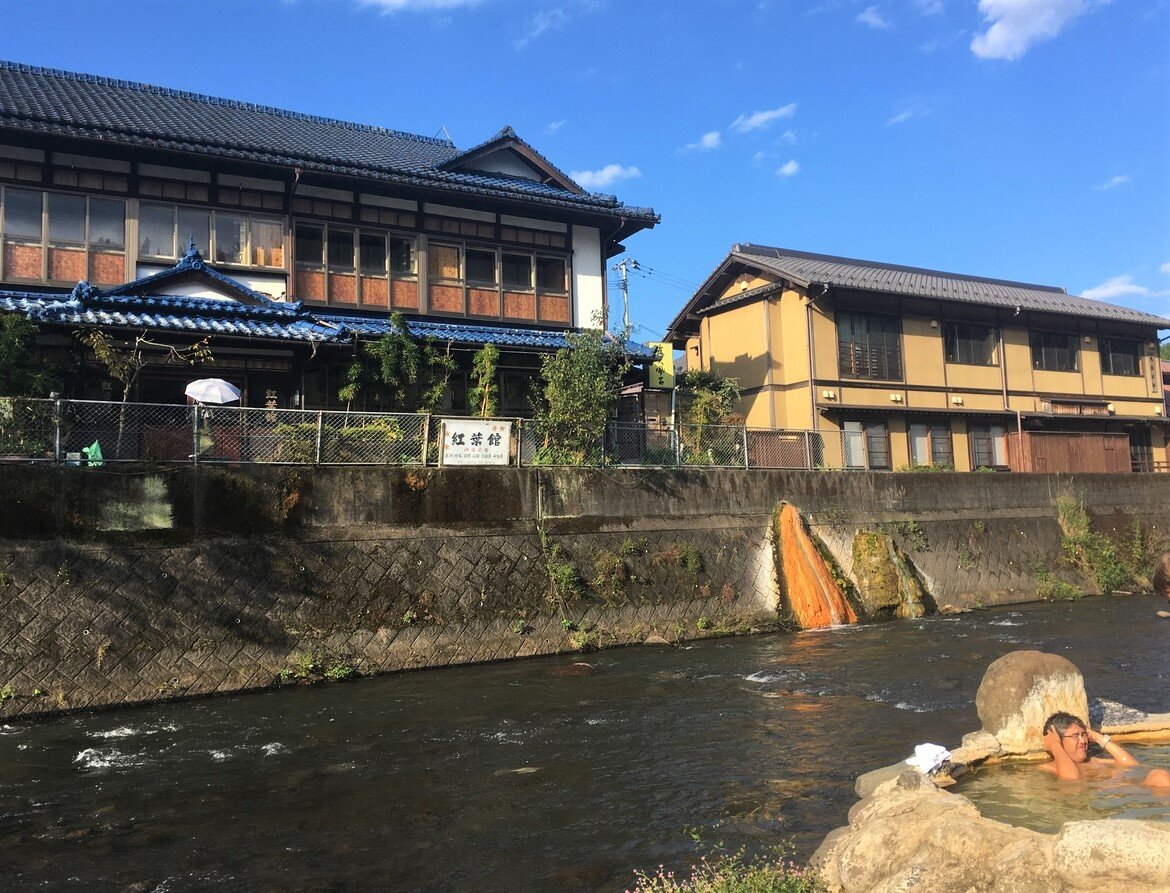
(625, 286)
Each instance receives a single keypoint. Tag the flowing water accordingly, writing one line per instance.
(524, 776)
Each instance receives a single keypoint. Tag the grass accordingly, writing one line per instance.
(734, 873)
(1052, 590)
(1094, 553)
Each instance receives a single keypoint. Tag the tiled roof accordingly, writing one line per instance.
(69, 104)
(843, 272)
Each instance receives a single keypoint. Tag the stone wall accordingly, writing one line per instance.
(124, 585)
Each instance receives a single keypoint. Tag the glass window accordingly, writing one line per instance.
(1121, 357)
(340, 249)
(988, 446)
(481, 266)
(372, 254)
(267, 243)
(22, 214)
(402, 256)
(550, 274)
(970, 344)
(869, 346)
(66, 219)
(231, 239)
(517, 271)
(930, 444)
(107, 224)
(1054, 351)
(443, 261)
(310, 245)
(194, 226)
(156, 230)
(877, 444)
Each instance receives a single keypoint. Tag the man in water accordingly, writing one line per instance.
(1067, 739)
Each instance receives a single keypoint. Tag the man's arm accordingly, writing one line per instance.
(1062, 762)
(1119, 754)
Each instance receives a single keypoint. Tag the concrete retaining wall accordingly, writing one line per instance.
(125, 585)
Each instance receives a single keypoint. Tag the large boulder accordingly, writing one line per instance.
(886, 584)
(1021, 690)
(1111, 855)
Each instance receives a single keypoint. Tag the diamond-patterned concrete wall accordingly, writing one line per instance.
(96, 625)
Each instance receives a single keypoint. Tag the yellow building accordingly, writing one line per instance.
(898, 367)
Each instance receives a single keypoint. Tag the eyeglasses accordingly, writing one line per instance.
(1080, 736)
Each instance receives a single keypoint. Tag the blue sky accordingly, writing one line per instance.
(1021, 139)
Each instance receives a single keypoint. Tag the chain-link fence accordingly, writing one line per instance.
(93, 431)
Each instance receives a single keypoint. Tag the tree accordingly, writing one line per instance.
(483, 398)
(577, 392)
(125, 360)
(1165, 352)
(22, 372)
(397, 366)
(705, 398)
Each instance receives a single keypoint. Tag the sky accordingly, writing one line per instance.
(1015, 139)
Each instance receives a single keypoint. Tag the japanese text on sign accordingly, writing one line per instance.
(476, 442)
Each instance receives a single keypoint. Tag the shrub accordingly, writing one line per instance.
(734, 873)
(1092, 552)
(1053, 590)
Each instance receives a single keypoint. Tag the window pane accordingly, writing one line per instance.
(156, 230)
(443, 261)
(998, 435)
(22, 214)
(919, 454)
(481, 267)
(194, 226)
(340, 249)
(940, 445)
(373, 254)
(877, 442)
(517, 271)
(869, 346)
(550, 274)
(107, 223)
(402, 256)
(66, 218)
(267, 243)
(310, 245)
(231, 239)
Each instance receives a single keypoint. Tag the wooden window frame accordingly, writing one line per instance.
(323, 266)
(45, 245)
(932, 447)
(977, 431)
(210, 248)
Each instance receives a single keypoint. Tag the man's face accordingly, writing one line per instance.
(1075, 741)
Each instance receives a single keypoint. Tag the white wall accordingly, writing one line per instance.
(588, 275)
(273, 286)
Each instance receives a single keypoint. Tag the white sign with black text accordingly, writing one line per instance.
(476, 442)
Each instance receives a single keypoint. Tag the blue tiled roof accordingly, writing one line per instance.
(68, 104)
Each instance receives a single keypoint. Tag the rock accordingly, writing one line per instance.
(953, 609)
(1163, 614)
(654, 640)
(976, 747)
(868, 783)
(1021, 690)
(1103, 712)
(885, 582)
(1114, 855)
(577, 669)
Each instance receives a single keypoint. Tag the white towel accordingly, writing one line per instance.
(928, 757)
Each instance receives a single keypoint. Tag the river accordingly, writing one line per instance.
(524, 776)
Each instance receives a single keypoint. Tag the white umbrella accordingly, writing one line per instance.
(212, 390)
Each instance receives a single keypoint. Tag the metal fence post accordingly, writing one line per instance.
(519, 443)
(746, 463)
(195, 433)
(808, 450)
(676, 435)
(57, 432)
(426, 438)
(320, 425)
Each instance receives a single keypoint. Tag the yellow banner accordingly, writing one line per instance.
(662, 370)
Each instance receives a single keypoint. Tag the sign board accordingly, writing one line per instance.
(476, 442)
(661, 372)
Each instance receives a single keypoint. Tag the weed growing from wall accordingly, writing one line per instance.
(1092, 552)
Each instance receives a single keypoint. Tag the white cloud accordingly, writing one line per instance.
(789, 136)
(913, 110)
(606, 176)
(708, 141)
(930, 7)
(1014, 26)
(760, 157)
(1164, 268)
(553, 126)
(1117, 287)
(788, 169)
(1113, 182)
(762, 120)
(391, 6)
(545, 20)
(872, 16)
